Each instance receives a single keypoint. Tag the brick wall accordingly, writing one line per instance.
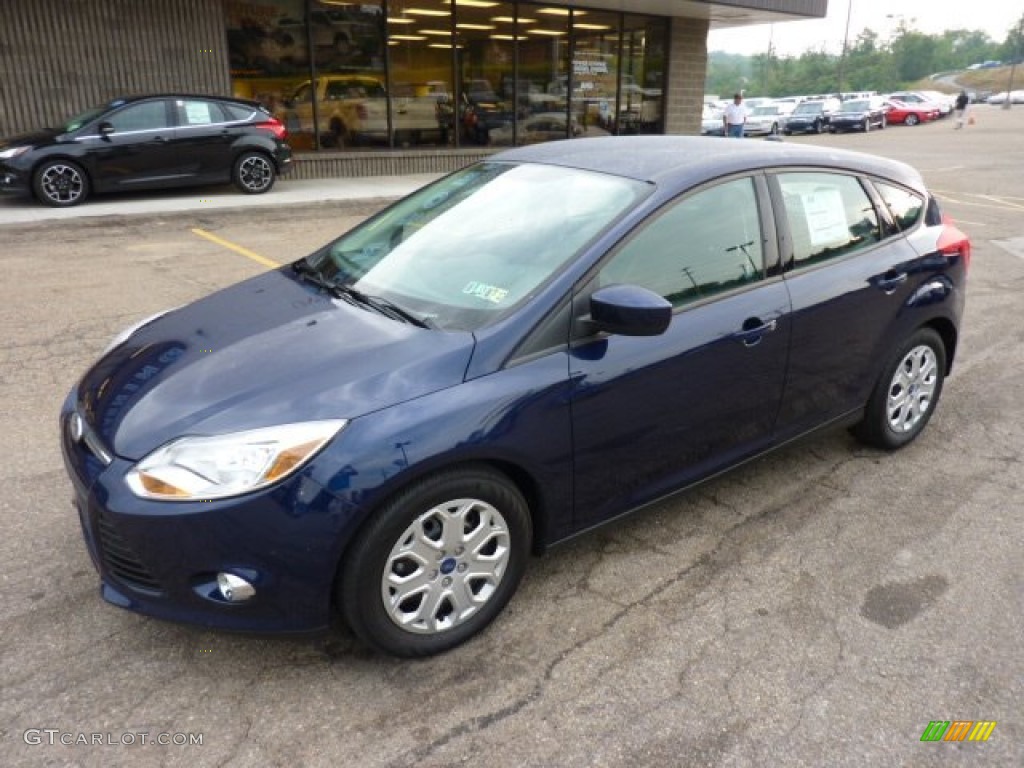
(687, 70)
(59, 57)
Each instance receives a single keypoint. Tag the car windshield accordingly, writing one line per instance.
(807, 108)
(855, 106)
(83, 118)
(466, 250)
(765, 111)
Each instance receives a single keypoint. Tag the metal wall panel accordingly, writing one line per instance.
(58, 57)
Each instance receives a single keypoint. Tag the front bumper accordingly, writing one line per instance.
(162, 558)
(14, 180)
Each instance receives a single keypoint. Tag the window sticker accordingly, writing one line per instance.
(826, 216)
(197, 113)
(486, 292)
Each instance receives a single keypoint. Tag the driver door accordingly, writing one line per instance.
(651, 414)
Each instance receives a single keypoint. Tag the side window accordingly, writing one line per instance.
(147, 116)
(705, 244)
(906, 207)
(194, 112)
(829, 215)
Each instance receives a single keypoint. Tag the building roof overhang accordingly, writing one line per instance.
(721, 14)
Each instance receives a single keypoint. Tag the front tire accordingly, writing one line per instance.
(60, 183)
(437, 563)
(867, 124)
(906, 394)
(254, 173)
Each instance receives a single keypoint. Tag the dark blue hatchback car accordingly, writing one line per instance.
(510, 356)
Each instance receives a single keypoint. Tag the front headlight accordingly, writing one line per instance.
(13, 152)
(200, 468)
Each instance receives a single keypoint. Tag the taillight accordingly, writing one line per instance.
(275, 126)
(953, 242)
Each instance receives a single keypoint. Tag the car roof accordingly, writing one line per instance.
(120, 100)
(687, 160)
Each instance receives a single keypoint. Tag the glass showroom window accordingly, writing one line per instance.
(435, 73)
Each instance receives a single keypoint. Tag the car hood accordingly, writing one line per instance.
(270, 350)
(34, 139)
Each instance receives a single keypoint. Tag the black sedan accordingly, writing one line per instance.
(148, 142)
(858, 115)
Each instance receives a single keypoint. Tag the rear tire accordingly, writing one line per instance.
(906, 394)
(254, 173)
(911, 120)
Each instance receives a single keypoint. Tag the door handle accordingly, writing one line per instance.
(159, 140)
(889, 282)
(754, 330)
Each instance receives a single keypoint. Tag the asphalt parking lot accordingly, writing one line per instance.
(820, 606)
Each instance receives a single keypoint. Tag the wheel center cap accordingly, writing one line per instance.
(447, 565)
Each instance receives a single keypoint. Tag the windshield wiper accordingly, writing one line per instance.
(384, 306)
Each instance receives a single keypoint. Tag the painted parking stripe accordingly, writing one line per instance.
(236, 248)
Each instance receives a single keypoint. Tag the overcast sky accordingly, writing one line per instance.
(994, 17)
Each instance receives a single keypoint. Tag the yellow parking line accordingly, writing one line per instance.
(236, 248)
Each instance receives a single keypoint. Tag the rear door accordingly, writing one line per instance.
(848, 274)
(650, 414)
(203, 138)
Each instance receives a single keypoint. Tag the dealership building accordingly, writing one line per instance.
(393, 86)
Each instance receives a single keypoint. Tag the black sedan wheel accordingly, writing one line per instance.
(253, 173)
(436, 564)
(905, 397)
(867, 124)
(817, 126)
(60, 183)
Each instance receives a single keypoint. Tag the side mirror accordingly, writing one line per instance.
(629, 310)
(105, 129)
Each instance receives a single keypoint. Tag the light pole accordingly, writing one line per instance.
(842, 56)
(1016, 55)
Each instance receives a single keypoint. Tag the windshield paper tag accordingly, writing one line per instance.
(486, 292)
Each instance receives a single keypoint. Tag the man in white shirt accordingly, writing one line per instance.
(734, 117)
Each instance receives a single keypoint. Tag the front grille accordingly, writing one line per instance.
(119, 559)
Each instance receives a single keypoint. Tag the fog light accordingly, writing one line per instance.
(234, 589)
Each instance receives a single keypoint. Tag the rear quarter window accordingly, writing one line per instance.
(906, 207)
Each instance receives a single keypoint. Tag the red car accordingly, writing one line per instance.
(910, 114)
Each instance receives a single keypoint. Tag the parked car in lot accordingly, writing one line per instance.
(148, 142)
(1014, 97)
(711, 123)
(858, 115)
(910, 114)
(925, 99)
(513, 355)
(764, 120)
(810, 116)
